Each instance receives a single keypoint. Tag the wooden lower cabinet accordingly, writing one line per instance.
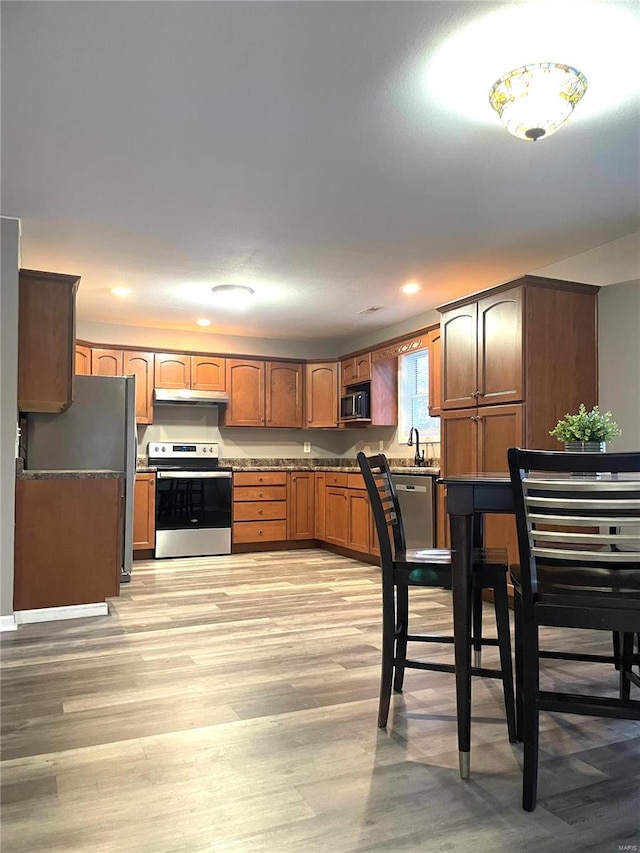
(301, 505)
(76, 556)
(321, 502)
(336, 515)
(477, 440)
(359, 527)
(259, 507)
(144, 512)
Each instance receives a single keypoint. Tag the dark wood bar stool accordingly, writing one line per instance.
(403, 568)
(578, 521)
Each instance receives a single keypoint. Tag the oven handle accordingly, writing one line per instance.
(195, 475)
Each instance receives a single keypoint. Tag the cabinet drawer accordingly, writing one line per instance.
(259, 493)
(260, 478)
(258, 510)
(259, 531)
(355, 481)
(334, 479)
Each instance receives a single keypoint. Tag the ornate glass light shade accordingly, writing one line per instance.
(535, 100)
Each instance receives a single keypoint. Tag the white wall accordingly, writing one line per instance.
(619, 357)
(10, 245)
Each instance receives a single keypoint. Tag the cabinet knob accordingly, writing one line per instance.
(308, 420)
(259, 532)
(259, 512)
(260, 479)
(479, 393)
(259, 494)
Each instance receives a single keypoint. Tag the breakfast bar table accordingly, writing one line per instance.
(469, 498)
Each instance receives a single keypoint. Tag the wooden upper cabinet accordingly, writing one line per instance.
(46, 340)
(283, 394)
(208, 373)
(483, 351)
(245, 384)
(355, 369)
(321, 395)
(459, 353)
(172, 370)
(435, 373)
(500, 354)
(141, 365)
(106, 362)
(83, 360)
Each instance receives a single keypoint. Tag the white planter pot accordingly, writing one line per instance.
(585, 446)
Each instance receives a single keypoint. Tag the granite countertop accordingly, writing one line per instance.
(335, 465)
(68, 474)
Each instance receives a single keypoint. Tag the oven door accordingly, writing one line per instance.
(193, 500)
(193, 513)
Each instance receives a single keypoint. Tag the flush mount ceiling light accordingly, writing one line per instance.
(203, 322)
(535, 100)
(121, 291)
(410, 287)
(233, 295)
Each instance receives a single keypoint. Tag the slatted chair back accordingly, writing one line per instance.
(577, 511)
(384, 504)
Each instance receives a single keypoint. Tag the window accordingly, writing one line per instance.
(413, 408)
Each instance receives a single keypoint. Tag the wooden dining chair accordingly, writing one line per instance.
(578, 522)
(403, 568)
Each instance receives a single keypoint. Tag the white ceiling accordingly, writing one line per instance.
(307, 150)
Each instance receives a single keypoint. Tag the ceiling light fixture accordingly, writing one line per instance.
(535, 100)
(121, 291)
(411, 287)
(203, 322)
(233, 295)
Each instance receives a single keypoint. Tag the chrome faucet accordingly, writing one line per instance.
(418, 460)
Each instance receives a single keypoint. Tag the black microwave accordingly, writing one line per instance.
(354, 405)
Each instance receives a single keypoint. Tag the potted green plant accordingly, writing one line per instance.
(586, 431)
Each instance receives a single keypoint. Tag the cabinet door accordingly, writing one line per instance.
(499, 427)
(46, 341)
(347, 372)
(459, 438)
(106, 362)
(245, 384)
(359, 528)
(83, 360)
(500, 348)
(144, 512)
(141, 365)
(322, 394)
(336, 515)
(435, 373)
(208, 373)
(363, 366)
(459, 353)
(320, 505)
(172, 371)
(283, 394)
(300, 510)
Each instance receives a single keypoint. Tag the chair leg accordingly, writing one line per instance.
(517, 614)
(530, 717)
(501, 605)
(402, 629)
(388, 645)
(477, 626)
(626, 665)
(616, 648)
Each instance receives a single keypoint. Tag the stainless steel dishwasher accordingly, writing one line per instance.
(415, 496)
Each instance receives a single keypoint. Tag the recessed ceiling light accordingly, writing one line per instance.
(121, 291)
(203, 322)
(411, 287)
(233, 295)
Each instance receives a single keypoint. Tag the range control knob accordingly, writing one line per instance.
(204, 449)
(163, 448)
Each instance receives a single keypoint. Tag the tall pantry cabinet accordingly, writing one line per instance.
(515, 359)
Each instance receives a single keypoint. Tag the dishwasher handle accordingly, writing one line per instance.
(404, 488)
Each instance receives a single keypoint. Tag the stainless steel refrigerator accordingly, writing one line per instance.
(98, 430)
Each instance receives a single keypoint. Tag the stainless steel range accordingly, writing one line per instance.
(193, 500)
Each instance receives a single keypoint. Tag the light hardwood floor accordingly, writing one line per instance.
(229, 704)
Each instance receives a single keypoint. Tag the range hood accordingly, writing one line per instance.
(184, 397)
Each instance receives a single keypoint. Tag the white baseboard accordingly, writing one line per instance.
(8, 623)
(53, 614)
